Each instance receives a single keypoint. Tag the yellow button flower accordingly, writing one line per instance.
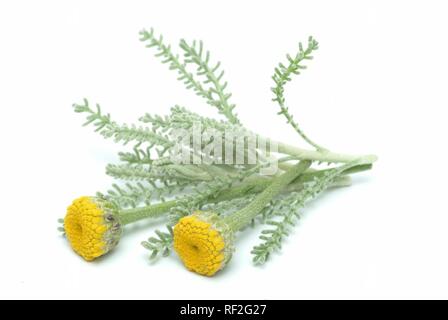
(203, 243)
(92, 227)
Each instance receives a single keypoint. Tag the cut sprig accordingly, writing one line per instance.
(195, 53)
(121, 133)
(211, 197)
(212, 88)
(283, 74)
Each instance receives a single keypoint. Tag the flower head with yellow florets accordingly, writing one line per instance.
(203, 242)
(92, 226)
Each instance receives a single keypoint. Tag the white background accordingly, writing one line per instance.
(377, 85)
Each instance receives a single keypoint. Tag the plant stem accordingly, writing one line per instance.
(128, 216)
(241, 218)
(251, 186)
(310, 174)
(321, 156)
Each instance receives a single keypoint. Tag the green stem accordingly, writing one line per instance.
(241, 218)
(259, 184)
(311, 174)
(132, 215)
(296, 127)
(250, 186)
(321, 156)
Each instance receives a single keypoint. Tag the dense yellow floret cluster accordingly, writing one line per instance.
(199, 245)
(86, 228)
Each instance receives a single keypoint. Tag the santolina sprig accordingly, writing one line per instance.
(214, 172)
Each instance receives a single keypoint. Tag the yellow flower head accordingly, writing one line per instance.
(92, 226)
(203, 243)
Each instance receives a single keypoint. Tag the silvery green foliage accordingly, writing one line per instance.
(182, 118)
(283, 74)
(132, 194)
(129, 195)
(141, 166)
(208, 79)
(147, 174)
(159, 244)
(206, 192)
(228, 206)
(121, 133)
(61, 228)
